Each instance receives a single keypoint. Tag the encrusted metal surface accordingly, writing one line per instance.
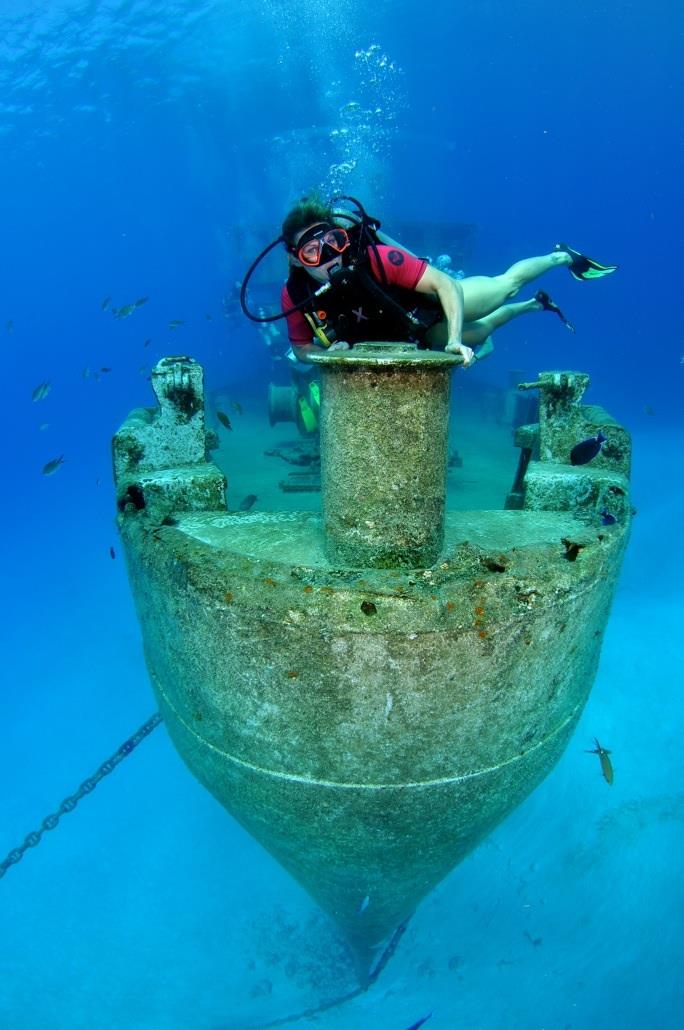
(371, 725)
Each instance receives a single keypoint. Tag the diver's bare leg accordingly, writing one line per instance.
(483, 294)
(476, 332)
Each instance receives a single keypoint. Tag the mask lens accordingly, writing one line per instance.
(310, 253)
(337, 239)
(317, 249)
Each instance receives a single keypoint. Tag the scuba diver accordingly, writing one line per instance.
(350, 282)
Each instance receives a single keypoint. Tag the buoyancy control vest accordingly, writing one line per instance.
(358, 308)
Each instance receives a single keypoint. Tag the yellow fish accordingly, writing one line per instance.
(606, 764)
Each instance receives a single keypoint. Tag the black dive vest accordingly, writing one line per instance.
(363, 309)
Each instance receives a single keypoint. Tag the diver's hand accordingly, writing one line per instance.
(339, 345)
(468, 355)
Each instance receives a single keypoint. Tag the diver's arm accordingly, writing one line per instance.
(449, 293)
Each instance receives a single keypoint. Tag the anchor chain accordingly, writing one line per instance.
(69, 804)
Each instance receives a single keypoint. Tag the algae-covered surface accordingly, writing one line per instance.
(335, 711)
(297, 537)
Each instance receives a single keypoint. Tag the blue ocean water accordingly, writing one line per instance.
(149, 149)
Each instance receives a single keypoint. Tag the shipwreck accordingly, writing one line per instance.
(369, 690)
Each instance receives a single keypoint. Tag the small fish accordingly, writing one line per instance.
(606, 764)
(607, 519)
(414, 1026)
(43, 426)
(583, 452)
(147, 343)
(247, 502)
(112, 553)
(223, 419)
(236, 406)
(10, 326)
(648, 410)
(105, 303)
(52, 466)
(86, 373)
(209, 318)
(105, 369)
(140, 301)
(363, 905)
(124, 311)
(41, 391)
(175, 322)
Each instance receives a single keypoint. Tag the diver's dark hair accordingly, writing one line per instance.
(310, 209)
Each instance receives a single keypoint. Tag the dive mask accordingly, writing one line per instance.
(320, 244)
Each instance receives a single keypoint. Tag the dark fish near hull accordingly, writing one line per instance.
(247, 502)
(414, 1026)
(583, 452)
(223, 419)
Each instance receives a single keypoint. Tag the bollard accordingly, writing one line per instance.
(384, 433)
